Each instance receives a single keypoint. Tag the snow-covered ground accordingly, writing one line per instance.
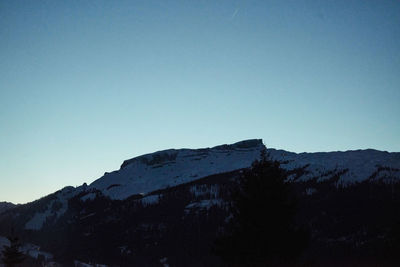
(61, 204)
(168, 168)
(361, 164)
(26, 248)
(205, 190)
(3, 242)
(204, 204)
(34, 251)
(82, 264)
(172, 167)
(150, 200)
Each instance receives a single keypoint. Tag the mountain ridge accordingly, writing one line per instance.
(171, 167)
(138, 198)
(277, 154)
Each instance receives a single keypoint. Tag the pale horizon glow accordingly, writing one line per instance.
(85, 85)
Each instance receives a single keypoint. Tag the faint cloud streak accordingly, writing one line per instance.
(234, 13)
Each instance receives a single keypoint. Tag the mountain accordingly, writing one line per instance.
(169, 205)
(5, 206)
(169, 168)
(140, 176)
(353, 165)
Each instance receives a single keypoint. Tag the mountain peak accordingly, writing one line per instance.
(150, 172)
(250, 143)
(169, 155)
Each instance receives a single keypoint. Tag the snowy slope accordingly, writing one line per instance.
(357, 165)
(55, 208)
(172, 167)
(26, 248)
(3, 242)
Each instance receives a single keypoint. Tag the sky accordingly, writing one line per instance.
(85, 85)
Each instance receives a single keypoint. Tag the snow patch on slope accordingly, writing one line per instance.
(26, 248)
(204, 204)
(210, 191)
(150, 200)
(90, 196)
(56, 208)
(3, 242)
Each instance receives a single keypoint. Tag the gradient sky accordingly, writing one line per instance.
(85, 85)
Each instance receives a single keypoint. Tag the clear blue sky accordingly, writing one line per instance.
(85, 85)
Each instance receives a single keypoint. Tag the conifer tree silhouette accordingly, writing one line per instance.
(12, 256)
(262, 228)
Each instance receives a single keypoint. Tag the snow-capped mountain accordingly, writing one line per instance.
(147, 173)
(353, 166)
(169, 168)
(172, 167)
(153, 196)
(142, 175)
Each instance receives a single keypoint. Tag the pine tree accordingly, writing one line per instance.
(262, 229)
(12, 256)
